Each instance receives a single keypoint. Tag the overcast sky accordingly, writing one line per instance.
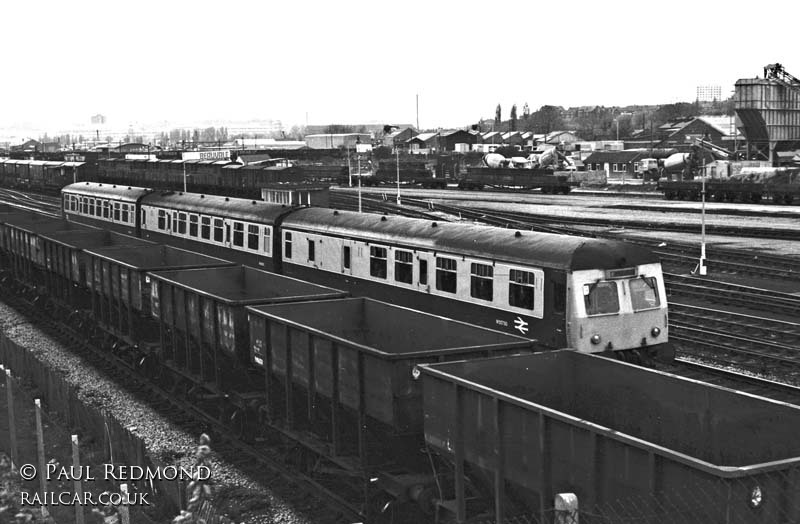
(351, 61)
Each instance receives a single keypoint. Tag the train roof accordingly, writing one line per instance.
(236, 208)
(527, 248)
(110, 191)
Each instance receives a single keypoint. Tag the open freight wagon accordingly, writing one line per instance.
(338, 378)
(20, 242)
(116, 278)
(65, 259)
(203, 329)
(667, 449)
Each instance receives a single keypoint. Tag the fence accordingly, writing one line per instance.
(104, 440)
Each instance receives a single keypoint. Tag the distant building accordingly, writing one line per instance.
(34, 146)
(98, 119)
(424, 143)
(560, 137)
(709, 93)
(335, 141)
(721, 130)
(613, 161)
(267, 143)
(456, 140)
(399, 138)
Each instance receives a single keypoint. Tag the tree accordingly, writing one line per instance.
(514, 117)
(497, 116)
(547, 119)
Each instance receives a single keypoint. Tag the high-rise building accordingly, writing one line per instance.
(709, 93)
(98, 119)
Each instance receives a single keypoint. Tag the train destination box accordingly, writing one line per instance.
(567, 422)
(376, 346)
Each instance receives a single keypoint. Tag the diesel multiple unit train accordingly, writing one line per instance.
(561, 291)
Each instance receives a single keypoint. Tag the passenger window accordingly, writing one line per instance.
(521, 288)
(601, 298)
(238, 234)
(106, 209)
(346, 257)
(91, 206)
(162, 217)
(481, 285)
(116, 214)
(644, 293)
(252, 237)
(218, 231)
(182, 223)
(287, 245)
(205, 228)
(193, 225)
(125, 217)
(403, 266)
(446, 276)
(423, 271)
(311, 251)
(267, 240)
(377, 261)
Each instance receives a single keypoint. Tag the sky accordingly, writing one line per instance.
(348, 61)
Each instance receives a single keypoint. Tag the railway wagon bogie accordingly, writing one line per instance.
(584, 417)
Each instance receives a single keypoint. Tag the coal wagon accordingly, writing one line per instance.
(529, 427)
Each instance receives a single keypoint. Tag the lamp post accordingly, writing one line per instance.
(358, 158)
(702, 267)
(184, 177)
(349, 170)
(397, 153)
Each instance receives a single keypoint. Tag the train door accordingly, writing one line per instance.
(556, 287)
(227, 224)
(348, 248)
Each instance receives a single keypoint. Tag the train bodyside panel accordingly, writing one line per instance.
(241, 230)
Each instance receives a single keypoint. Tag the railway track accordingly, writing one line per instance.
(728, 378)
(176, 405)
(30, 202)
(675, 255)
(733, 294)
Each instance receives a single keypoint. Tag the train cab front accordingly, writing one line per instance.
(620, 311)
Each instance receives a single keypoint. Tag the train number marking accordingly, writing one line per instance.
(521, 325)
